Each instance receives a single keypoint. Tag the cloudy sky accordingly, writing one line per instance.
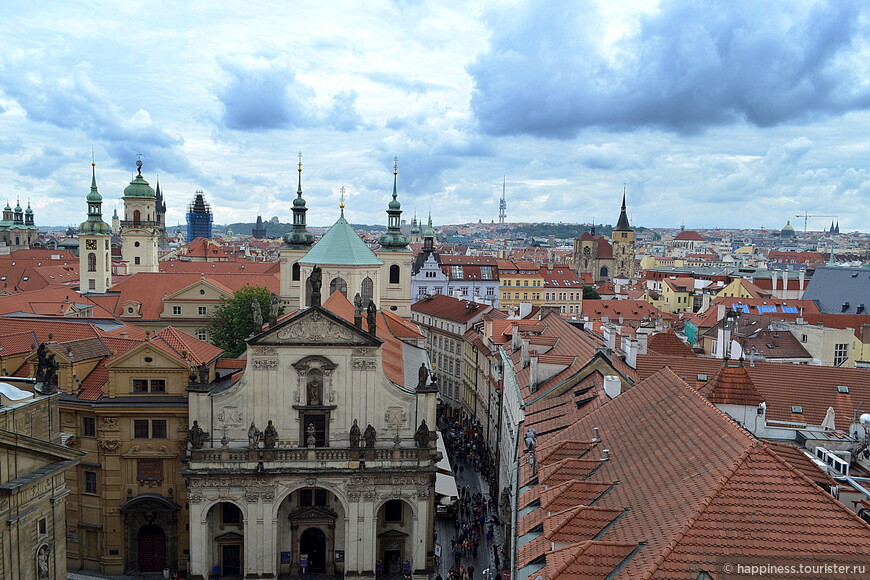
(735, 113)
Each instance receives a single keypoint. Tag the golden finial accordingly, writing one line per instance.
(342, 191)
(93, 158)
(300, 161)
(395, 165)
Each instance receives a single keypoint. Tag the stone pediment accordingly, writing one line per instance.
(315, 326)
(313, 513)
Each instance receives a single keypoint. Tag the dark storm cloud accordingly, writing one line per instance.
(261, 94)
(690, 66)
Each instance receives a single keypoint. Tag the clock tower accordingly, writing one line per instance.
(95, 255)
(140, 227)
(623, 246)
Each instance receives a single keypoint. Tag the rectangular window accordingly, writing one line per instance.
(456, 272)
(140, 429)
(90, 482)
(203, 310)
(92, 284)
(393, 510)
(176, 310)
(841, 354)
(158, 429)
(89, 427)
(136, 260)
(145, 429)
(486, 272)
(312, 497)
(158, 386)
(202, 334)
(140, 385)
(42, 527)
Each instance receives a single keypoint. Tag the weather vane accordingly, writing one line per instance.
(300, 161)
(342, 191)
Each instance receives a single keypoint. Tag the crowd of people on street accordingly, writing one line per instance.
(476, 515)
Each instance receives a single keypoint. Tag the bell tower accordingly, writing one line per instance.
(140, 227)
(623, 246)
(95, 255)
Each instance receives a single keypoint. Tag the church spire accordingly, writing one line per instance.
(394, 239)
(622, 224)
(299, 236)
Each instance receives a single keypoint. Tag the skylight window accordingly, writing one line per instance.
(797, 409)
(843, 389)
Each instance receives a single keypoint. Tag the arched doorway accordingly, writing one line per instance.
(226, 527)
(394, 520)
(150, 533)
(312, 543)
(151, 541)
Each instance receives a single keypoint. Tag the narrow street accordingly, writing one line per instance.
(470, 542)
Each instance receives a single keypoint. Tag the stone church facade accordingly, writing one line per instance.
(318, 458)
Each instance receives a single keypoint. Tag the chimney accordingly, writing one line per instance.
(630, 347)
(720, 312)
(784, 280)
(516, 340)
(533, 371)
(801, 273)
(773, 280)
(597, 436)
(642, 339)
(612, 386)
(609, 332)
(524, 355)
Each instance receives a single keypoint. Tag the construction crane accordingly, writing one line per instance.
(807, 215)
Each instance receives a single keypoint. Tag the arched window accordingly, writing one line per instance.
(295, 272)
(604, 272)
(366, 290)
(394, 274)
(137, 217)
(92, 262)
(338, 284)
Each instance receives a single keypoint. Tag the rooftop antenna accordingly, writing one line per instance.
(502, 204)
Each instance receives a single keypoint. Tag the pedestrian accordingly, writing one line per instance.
(471, 572)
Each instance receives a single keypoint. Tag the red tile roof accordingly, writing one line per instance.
(668, 343)
(450, 308)
(707, 474)
(689, 235)
(732, 386)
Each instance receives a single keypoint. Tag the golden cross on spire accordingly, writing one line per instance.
(342, 191)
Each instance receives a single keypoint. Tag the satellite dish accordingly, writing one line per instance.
(865, 419)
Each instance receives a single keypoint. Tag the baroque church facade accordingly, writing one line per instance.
(605, 259)
(319, 458)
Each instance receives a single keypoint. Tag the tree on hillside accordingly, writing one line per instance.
(233, 319)
(590, 293)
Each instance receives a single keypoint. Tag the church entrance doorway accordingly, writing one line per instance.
(313, 543)
(231, 560)
(151, 542)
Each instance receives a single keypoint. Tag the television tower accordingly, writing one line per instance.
(502, 204)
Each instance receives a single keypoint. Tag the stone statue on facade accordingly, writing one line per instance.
(203, 373)
(314, 389)
(316, 280)
(354, 435)
(312, 439)
(422, 435)
(254, 436)
(371, 317)
(196, 436)
(274, 303)
(422, 376)
(257, 312)
(270, 436)
(357, 310)
(371, 436)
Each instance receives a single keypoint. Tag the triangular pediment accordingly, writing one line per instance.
(135, 358)
(318, 326)
(199, 289)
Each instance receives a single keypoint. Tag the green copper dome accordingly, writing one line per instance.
(28, 210)
(139, 187)
(341, 246)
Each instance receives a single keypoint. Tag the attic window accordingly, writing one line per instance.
(843, 389)
(702, 377)
(25, 279)
(797, 409)
(202, 292)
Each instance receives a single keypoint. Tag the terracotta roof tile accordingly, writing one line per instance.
(732, 386)
(668, 343)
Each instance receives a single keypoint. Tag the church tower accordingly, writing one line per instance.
(622, 239)
(95, 254)
(116, 222)
(259, 229)
(416, 237)
(160, 212)
(199, 218)
(139, 228)
(397, 258)
(297, 242)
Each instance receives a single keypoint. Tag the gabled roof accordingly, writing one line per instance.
(732, 386)
(708, 474)
(449, 308)
(341, 246)
(689, 235)
(668, 343)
